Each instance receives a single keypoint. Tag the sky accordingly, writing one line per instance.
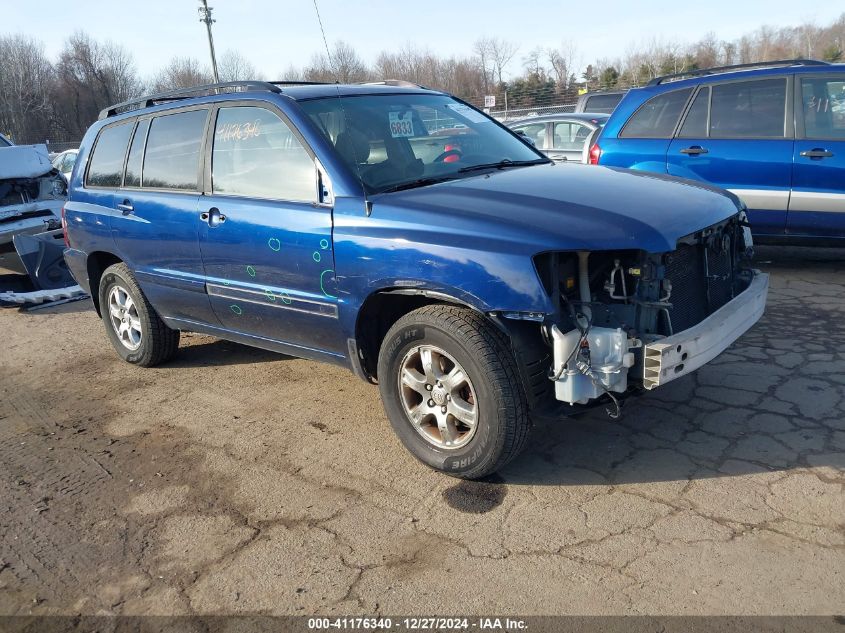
(274, 35)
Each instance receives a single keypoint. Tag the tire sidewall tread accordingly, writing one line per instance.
(485, 354)
(158, 343)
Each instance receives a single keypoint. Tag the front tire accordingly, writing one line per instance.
(134, 328)
(451, 389)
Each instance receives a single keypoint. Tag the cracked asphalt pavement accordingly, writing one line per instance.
(238, 481)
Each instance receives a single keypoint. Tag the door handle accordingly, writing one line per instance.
(213, 216)
(125, 207)
(817, 153)
(694, 150)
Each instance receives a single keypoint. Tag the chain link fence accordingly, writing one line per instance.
(524, 101)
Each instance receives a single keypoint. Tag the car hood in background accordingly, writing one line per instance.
(24, 161)
(565, 207)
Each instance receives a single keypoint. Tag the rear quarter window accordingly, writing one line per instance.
(106, 166)
(658, 116)
(602, 103)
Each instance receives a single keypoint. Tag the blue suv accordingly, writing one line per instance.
(772, 133)
(402, 234)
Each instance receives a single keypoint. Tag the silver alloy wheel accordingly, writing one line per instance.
(438, 397)
(124, 318)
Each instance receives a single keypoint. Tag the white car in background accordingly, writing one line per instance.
(65, 161)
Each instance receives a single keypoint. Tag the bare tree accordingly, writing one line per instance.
(343, 65)
(25, 79)
(90, 76)
(563, 63)
(232, 66)
(483, 52)
(533, 64)
(501, 53)
(181, 72)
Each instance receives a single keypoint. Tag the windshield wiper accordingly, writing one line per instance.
(502, 164)
(419, 182)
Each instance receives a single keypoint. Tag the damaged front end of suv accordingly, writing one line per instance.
(32, 194)
(631, 320)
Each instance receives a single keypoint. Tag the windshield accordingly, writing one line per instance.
(4, 142)
(399, 141)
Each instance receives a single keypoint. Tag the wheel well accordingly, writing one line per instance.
(378, 314)
(382, 309)
(97, 263)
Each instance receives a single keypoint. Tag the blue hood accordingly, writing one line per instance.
(567, 207)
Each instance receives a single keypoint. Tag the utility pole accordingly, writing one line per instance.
(205, 16)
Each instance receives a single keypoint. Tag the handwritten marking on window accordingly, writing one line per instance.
(818, 104)
(238, 131)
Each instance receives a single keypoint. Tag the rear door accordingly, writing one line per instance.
(567, 140)
(643, 141)
(817, 204)
(156, 224)
(739, 135)
(266, 234)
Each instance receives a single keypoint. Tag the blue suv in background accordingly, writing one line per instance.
(402, 234)
(772, 133)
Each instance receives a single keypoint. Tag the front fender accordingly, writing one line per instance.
(484, 281)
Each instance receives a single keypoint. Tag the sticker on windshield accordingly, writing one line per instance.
(401, 124)
(473, 116)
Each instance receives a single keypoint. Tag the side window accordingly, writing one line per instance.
(570, 136)
(748, 109)
(602, 103)
(136, 155)
(658, 116)
(173, 150)
(823, 107)
(695, 125)
(107, 160)
(257, 155)
(535, 131)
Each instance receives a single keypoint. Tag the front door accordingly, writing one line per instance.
(817, 205)
(265, 236)
(738, 135)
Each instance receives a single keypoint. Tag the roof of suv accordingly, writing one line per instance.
(299, 91)
(740, 71)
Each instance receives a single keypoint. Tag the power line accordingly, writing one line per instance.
(325, 41)
(205, 16)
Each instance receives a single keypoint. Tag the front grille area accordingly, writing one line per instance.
(702, 280)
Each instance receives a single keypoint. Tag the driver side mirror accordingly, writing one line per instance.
(526, 138)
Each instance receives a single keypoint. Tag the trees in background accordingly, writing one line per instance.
(88, 77)
(42, 99)
(25, 79)
(181, 72)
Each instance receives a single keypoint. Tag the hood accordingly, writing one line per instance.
(24, 161)
(568, 207)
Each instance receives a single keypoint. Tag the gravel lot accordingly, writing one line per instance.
(234, 480)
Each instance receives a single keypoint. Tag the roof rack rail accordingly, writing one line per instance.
(292, 82)
(398, 83)
(186, 93)
(723, 69)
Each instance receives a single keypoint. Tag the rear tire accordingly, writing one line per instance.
(134, 328)
(451, 389)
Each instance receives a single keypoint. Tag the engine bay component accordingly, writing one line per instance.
(591, 363)
(640, 319)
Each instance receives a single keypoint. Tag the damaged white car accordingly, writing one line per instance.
(32, 193)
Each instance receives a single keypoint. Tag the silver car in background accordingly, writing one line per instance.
(563, 136)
